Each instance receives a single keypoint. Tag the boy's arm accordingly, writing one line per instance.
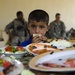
(26, 42)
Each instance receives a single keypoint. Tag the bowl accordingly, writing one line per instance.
(17, 54)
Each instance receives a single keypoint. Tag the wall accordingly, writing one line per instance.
(8, 9)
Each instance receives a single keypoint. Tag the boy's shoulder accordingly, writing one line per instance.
(26, 42)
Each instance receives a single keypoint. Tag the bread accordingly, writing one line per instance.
(36, 35)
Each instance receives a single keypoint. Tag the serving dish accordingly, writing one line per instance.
(61, 43)
(16, 70)
(39, 48)
(9, 51)
(56, 58)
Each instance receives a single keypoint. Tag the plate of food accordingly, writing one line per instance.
(63, 61)
(16, 51)
(10, 66)
(39, 48)
(61, 43)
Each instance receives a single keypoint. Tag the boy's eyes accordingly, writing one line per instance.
(41, 26)
(33, 26)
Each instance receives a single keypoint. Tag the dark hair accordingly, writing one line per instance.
(38, 15)
(57, 14)
(18, 13)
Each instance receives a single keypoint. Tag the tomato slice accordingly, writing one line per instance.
(8, 48)
(6, 63)
(72, 64)
(20, 48)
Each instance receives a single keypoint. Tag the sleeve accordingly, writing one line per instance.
(53, 31)
(9, 27)
(63, 32)
(27, 42)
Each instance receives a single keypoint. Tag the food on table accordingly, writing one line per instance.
(7, 65)
(13, 49)
(0, 61)
(1, 73)
(20, 48)
(0, 50)
(27, 72)
(69, 63)
(39, 48)
(61, 43)
(9, 69)
(49, 40)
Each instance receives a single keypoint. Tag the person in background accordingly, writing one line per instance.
(71, 33)
(37, 25)
(57, 28)
(17, 30)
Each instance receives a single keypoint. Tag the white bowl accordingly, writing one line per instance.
(16, 55)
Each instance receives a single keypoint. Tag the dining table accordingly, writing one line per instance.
(28, 57)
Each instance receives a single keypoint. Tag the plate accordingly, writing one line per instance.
(61, 43)
(53, 58)
(17, 55)
(39, 48)
(17, 70)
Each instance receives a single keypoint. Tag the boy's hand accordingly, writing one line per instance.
(43, 38)
(36, 39)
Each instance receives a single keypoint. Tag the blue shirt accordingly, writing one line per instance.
(27, 42)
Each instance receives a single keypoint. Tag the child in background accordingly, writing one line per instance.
(37, 25)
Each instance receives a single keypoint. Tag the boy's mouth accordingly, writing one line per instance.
(38, 35)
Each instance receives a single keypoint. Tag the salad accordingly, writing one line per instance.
(12, 49)
(7, 65)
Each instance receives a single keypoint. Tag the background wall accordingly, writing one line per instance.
(8, 9)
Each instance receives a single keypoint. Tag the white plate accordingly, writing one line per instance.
(54, 58)
(29, 50)
(17, 70)
(61, 44)
(39, 47)
(17, 55)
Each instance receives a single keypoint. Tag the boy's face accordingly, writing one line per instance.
(37, 27)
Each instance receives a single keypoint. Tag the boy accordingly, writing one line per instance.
(37, 25)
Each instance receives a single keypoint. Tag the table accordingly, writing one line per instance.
(28, 57)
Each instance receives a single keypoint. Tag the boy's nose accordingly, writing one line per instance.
(37, 30)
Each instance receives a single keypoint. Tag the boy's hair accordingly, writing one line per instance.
(18, 13)
(57, 14)
(38, 15)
